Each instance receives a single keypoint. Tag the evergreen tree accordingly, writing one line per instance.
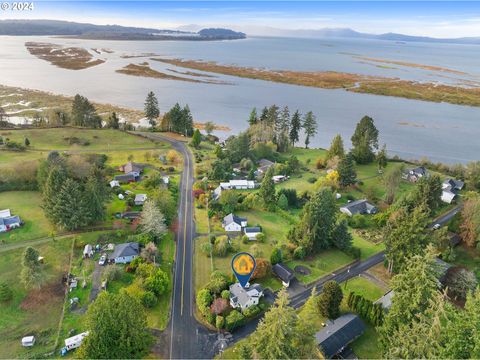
(245, 352)
(113, 121)
(264, 114)
(187, 121)
(6, 293)
(152, 220)
(276, 256)
(152, 112)
(405, 236)
(31, 275)
(365, 140)
(71, 206)
(27, 142)
(342, 239)
(84, 113)
(282, 202)
(267, 189)
(56, 178)
(96, 196)
(346, 171)
(295, 126)
(310, 127)
(196, 139)
(272, 116)
(330, 299)
(117, 327)
(283, 129)
(253, 119)
(382, 158)
(336, 148)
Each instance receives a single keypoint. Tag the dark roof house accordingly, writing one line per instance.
(125, 178)
(415, 174)
(284, 273)
(338, 334)
(124, 253)
(358, 207)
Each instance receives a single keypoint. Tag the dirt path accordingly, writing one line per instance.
(96, 281)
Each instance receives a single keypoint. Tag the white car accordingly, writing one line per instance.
(103, 260)
(436, 226)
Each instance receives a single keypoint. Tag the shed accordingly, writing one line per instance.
(338, 334)
(28, 341)
(114, 183)
(75, 341)
(140, 199)
(284, 273)
(88, 251)
(252, 232)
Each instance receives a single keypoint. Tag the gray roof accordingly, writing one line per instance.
(254, 229)
(419, 170)
(283, 272)
(359, 206)
(241, 296)
(265, 162)
(233, 218)
(454, 184)
(386, 300)
(127, 177)
(339, 333)
(126, 249)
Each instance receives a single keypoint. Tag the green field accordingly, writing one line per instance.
(363, 286)
(34, 312)
(26, 204)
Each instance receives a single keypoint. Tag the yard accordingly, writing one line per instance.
(470, 258)
(33, 312)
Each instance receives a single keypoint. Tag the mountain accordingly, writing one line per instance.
(113, 32)
(349, 33)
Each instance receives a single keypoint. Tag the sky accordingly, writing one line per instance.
(443, 19)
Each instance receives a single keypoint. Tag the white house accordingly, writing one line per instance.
(75, 341)
(125, 253)
(244, 298)
(252, 232)
(450, 190)
(114, 183)
(234, 185)
(233, 223)
(140, 199)
(28, 341)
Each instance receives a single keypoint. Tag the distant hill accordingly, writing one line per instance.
(113, 32)
(349, 33)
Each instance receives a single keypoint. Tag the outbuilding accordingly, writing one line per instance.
(284, 273)
(28, 341)
(75, 341)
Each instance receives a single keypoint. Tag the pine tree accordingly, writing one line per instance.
(310, 127)
(342, 239)
(253, 119)
(264, 114)
(282, 130)
(31, 275)
(295, 126)
(152, 111)
(267, 189)
(56, 177)
(71, 207)
(84, 113)
(365, 140)
(330, 299)
(196, 139)
(346, 171)
(96, 197)
(152, 220)
(336, 148)
(187, 121)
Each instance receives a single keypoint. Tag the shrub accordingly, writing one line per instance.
(357, 221)
(220, 322)
(252, 311)
(6, 293)
(149, 299)
(206, 248)
(234, 320)
(276, 256)
(320, 164)
(299, 253)
(260, 237)
(222, 246)
(245, 239)
(204, 300)
(219, 306)
(112, 272)
(312, 180)
(225, 294)
(218, 282)
(354, 252)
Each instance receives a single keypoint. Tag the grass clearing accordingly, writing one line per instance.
(366, 247)
(362, 286)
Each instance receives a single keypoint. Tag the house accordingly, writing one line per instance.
(284, 273)
(7, 221)
(252, 232)
(338, 333)
(413, 175)
(450, 189)
(264, 165)
(279, 178)
(358, 207)
(244, 298)
(234, 223)
(140, 199)
(114, 183)
(234, 185)
(88, 251)
(28, 341)
(386, 300)
(125, 253)
(75, 341)
(125, 179)
(132, 168)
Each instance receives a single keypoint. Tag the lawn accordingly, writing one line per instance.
(366, 247)
(26, 204)
(274, 226)
(61, 139)
(362, 286)
(34, 312)
(470, 258)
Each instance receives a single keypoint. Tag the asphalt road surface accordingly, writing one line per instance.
(445, 218)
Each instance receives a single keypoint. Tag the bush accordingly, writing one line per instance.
(206, 248)
(260, 237)
(204, 300)
(149, 299)
(312, 180)
(220, 322)
(225, 294)
(6, 293)
(354, 252)
(245, 239)
(320, 164)
(252, 311)
(234, 320)
(299, 253)
(350, 197)
(112, 272)
(357, 221)
(276, 256)
(222, 246)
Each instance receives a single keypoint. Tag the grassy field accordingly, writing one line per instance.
(34, 312)
(363, 286)
(26, 204)
(64, 139)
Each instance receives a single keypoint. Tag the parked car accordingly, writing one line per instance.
(103, 260)
(436, 226)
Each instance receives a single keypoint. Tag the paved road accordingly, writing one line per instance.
(445, 218)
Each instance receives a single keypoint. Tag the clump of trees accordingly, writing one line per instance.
(178, 120)
(330, 299)
(371, 312)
